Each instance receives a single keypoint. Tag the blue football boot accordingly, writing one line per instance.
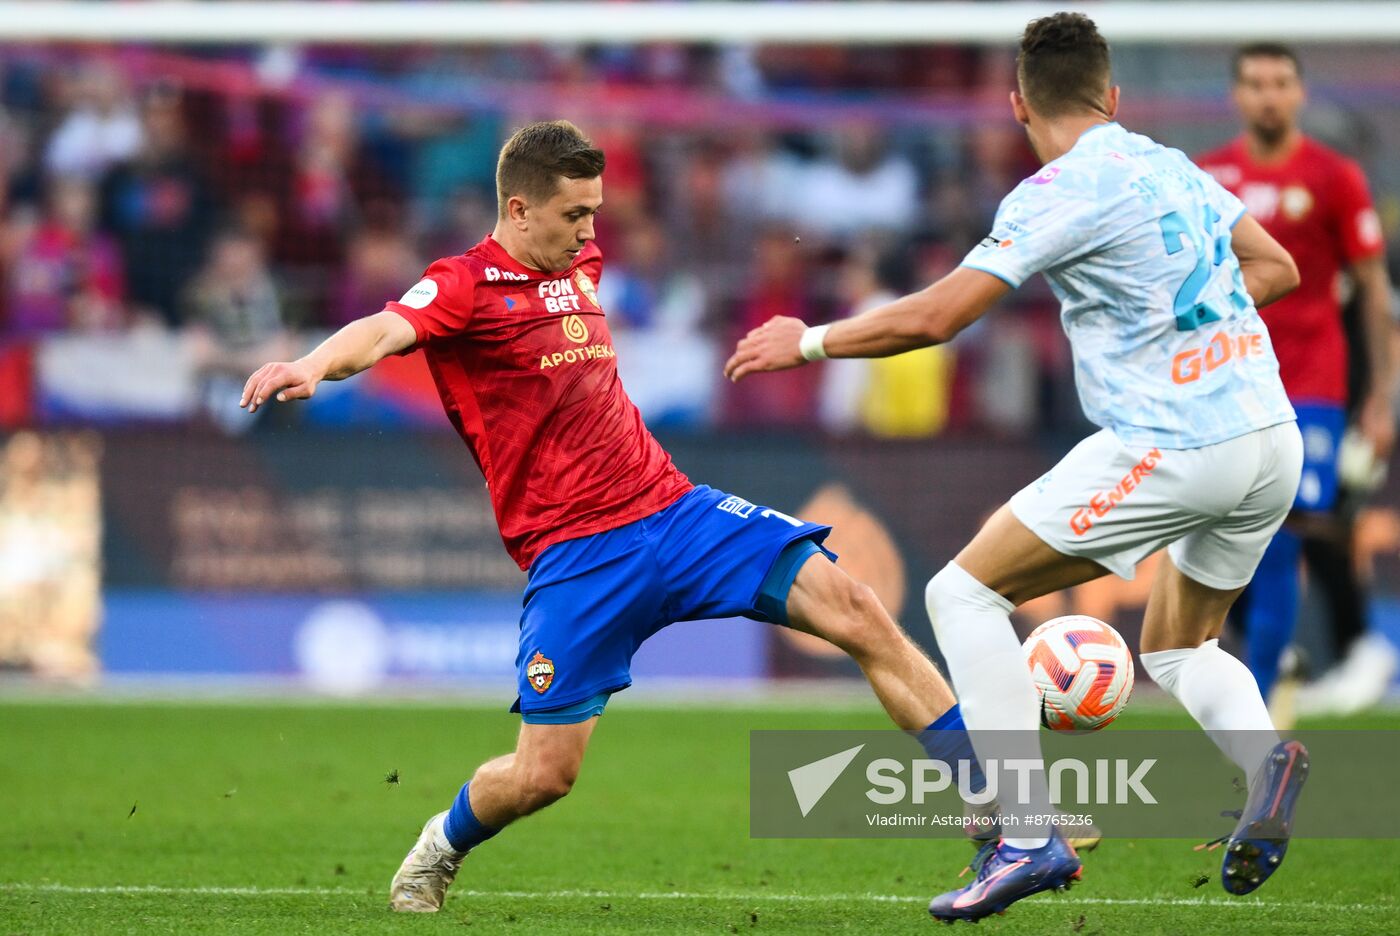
(1257, 846)
(1005, 875)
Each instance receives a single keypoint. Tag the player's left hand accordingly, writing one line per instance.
(1377, 424)
(279, 380)
(769, 347)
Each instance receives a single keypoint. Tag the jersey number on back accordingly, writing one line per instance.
(1178, 234)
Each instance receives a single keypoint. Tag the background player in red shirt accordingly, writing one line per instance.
(1314, 202)
(617, 542)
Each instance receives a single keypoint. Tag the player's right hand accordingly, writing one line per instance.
(294, 380)
(1377, 424)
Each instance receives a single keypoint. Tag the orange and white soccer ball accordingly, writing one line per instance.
(1082, 670)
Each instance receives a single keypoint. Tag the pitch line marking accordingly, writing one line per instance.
(1210, 902)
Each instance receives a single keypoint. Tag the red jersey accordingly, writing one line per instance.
(1316, 205)
(525, 366)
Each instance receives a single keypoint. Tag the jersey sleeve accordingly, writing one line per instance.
(1226, 204)
(592, 266)
(440, 304)
(1357, 226)
(1045, 221)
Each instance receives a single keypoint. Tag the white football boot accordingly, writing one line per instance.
(421, 883)
(1359, 682)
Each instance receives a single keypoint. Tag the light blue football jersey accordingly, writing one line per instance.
(1134, 240)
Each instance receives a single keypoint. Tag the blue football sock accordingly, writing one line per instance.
(464, 831)
(1272, 609)
(947, 740)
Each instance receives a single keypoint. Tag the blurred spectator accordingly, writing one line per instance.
(328, 188)
(101, 130)
(761, 181)
(381, 263)
(14, 159)
(234, 318)
(865, 188)
(63, 275)
(463, 158)
(655, 307)
(782, 285)
(160, 208)
(233, 299)
(468, 215)
(904, 396)
(717, 159)
(646, 289)
(628, 178)
(318, 204)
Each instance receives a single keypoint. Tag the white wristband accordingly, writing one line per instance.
(811, 343)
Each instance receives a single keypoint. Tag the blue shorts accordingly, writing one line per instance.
(591, 602)
(1322, 425)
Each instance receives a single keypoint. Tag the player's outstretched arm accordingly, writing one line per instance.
(356, 347)
(929, 317)
(1269, 270)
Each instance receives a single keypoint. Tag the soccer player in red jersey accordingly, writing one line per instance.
(617, 542)
(1314, 202)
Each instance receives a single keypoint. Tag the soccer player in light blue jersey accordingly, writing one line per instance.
(1160, 273)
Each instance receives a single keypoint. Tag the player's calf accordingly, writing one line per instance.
(825, 601)
(542, 770)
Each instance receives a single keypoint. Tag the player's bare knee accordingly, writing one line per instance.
(858, 623)
(545, 783)
(871, 625)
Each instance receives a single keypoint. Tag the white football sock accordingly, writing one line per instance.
(1221, 694)
(998, 699)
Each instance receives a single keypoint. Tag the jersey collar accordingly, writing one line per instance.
(1095, 129)
(501, 257)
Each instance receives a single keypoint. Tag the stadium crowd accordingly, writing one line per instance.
(217, 211)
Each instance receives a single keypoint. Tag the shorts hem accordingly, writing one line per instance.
(817, 534)
(574, 714)
(607, 686)
(1204, 578)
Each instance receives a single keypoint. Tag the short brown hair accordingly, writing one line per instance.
(536, 156)
(1063, 66)
(1273, 50)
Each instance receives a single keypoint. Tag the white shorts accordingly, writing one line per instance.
(1216, 506)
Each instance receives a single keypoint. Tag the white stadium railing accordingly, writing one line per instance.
(701, 22)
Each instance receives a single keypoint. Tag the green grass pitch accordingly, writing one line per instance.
(276, 818)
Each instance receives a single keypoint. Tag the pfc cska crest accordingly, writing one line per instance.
(540, 672)
(585, 286)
